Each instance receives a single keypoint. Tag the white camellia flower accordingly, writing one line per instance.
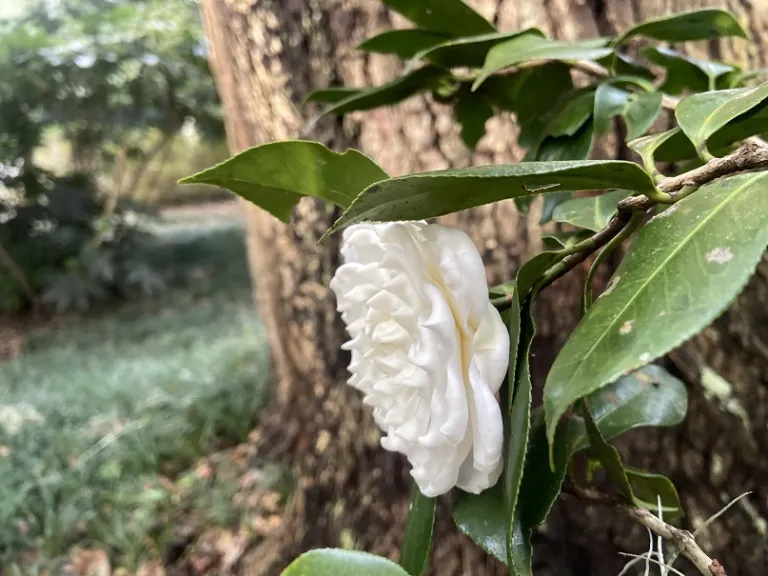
(429, 351)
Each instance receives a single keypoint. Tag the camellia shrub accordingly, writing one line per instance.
(443, 359)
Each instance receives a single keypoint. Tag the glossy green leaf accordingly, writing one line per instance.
(649, 487)
(591, 213)
(609, 101)
(703, 24)
(331, 95)
(556, 149)
(608, 455)
(647, 145)
(404, 87)
(436, 193)
(472, 112)
(514, 326)
(470, 50)
(483, 518)
(701, 115)
(275, 176)
(519, 422)
(687, 73)
(678, 147)
(683, 269)
(574, 113)
(452, 17)
(640, 109)
(520, 93)
(551, 202)
(528, 48)
(624, 65)
(629, 81)
(417, 541)
(577, 146)
(540, 488)
(402, 43)
(336, 562)
(649, 397)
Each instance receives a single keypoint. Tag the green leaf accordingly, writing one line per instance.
(551, 202)
(630, 81)
(514, 326)
(402, 43)
(471, 50)
(640, 109)
(591, 213)
(417, 541)
(649, 486)
(445, 16)
(576, 147)
(275, 176)
(483, 518)
(683, 269)
(432, 194)
(687, 73)
(704, 24)
(623, 65)
(521, 94)
(331, 95)
(649, 397)
(701, 115)
(574, 113)
(540, 488)
(528, 48)
(609, 102)
(519, 422)
(608, 455)
(647, 145)
(678, 147)
(405, 86)
(335, 562)
(560, 148)
(472, 112)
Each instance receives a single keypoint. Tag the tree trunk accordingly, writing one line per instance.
(267, 55)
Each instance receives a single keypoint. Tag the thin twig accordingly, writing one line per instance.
(681, 539)
(709, 521)
(649, 559)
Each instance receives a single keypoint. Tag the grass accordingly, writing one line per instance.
(97, 412)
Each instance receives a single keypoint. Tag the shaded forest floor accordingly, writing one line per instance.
(124, 434)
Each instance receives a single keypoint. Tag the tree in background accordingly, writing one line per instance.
(267, 57)
(116, 81)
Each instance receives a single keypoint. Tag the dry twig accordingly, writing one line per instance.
(681, 539)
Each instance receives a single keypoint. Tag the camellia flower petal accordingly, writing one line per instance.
(429, 351)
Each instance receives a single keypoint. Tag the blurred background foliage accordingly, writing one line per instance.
(132, 363)
(103, 105)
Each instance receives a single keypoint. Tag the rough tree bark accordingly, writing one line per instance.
(267, 55)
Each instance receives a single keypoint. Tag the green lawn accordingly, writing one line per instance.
(95, 412)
